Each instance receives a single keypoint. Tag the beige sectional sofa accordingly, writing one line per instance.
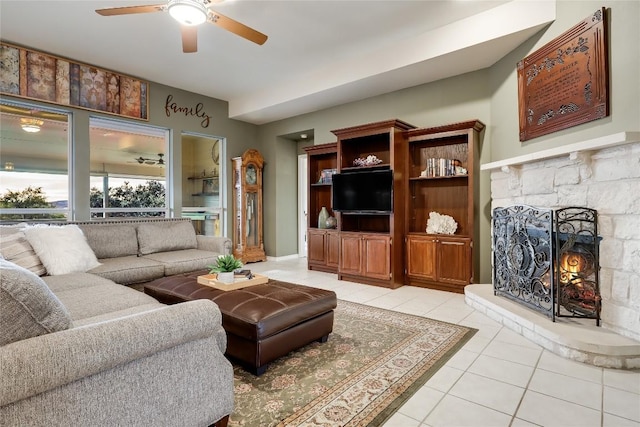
(81, 349)
(142, 250)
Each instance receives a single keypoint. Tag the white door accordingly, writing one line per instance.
(302, 206)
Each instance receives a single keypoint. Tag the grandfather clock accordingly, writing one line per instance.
(247, 207)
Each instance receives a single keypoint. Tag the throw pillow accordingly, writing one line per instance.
(166, 236)
(14, 247)
(29, 308)
(62, 250)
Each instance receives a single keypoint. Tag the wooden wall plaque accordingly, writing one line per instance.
(566, 82)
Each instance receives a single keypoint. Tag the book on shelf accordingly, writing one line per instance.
(437, 167)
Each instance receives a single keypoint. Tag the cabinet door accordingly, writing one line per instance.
(421, 257)
(316, 247)
(376, 257)
(350, 254)
(333, 249)
(454, 260)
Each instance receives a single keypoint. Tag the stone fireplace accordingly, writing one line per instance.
(602, 174)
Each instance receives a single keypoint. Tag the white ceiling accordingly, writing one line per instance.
(319, 54)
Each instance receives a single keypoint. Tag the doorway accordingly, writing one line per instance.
(302, 205)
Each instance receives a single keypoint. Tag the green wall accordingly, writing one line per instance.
(456, 99)
(490, 95)
(239, 137)
(624, 80)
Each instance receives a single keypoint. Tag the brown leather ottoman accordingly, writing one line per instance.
(263, 322)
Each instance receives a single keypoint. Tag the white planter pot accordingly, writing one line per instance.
(225, 277)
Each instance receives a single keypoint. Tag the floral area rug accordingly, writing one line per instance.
(374, 360)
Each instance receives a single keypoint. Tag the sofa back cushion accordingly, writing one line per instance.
(29, 308)
(111, 241)
(62, 250)
(14, 247)
(166, 236)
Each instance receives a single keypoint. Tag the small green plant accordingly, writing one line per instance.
(225, 264)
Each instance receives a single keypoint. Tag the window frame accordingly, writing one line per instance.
(67, 212)
(117, 125)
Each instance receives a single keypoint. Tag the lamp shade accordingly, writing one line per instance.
(188, 12)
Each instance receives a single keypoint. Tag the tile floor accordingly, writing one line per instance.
(498, 378)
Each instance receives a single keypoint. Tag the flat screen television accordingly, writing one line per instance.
(369, 191)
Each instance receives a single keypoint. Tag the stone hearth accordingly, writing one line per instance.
(602, 174)
(576, 339)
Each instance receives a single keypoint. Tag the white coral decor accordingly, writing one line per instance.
(441, 224)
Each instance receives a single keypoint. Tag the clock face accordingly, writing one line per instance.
(251, 176)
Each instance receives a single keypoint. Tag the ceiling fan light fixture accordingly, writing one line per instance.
(31, 124)
(188, 12)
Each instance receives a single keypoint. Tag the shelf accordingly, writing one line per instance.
(366, 213)
(425, 234)
(355, 168)
(569, 149)
(321, 184)
(202, 177)
(428, 178)
(205, 194)
(442, 261)
(371, 232)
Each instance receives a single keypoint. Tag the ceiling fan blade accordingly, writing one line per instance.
(189, 38)
(236, 27)
(127, 10)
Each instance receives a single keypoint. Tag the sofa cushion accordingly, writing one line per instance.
(102, 298)
(111, 241)
(62, 249)
(129, 269)
(15, 247)
(29, 308)
(66, 282)
(178, 262)
(166, 236)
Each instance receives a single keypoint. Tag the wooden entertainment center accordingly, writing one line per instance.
(392, 249)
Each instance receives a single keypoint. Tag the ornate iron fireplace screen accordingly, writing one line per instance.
(548, 261)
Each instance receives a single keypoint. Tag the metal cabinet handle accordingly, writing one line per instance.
(453, 243)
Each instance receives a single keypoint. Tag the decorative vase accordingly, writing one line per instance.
(332, 222)
(225, 277)
(322, 217)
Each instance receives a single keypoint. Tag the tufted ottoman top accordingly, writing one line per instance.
(255, 312)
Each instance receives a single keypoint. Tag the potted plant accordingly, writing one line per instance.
(224, 266)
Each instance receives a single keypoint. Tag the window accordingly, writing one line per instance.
(128, 169)
(34, 153)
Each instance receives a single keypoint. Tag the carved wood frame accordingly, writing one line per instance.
(566, 82)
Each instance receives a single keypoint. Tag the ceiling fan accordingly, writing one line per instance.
(190, 14)
(147, 161)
